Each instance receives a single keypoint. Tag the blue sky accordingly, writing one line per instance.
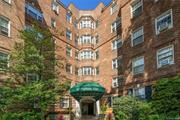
(85, 4)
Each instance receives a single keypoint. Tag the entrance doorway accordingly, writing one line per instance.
(87, 108)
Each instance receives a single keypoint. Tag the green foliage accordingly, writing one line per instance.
(130, 108)
(20, 98)
(166, 95)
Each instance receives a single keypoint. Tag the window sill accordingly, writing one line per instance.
(10, 4)
(165, 66)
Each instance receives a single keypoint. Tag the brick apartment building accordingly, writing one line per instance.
(125, 46)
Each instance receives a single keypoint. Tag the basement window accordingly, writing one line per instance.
(164, 22)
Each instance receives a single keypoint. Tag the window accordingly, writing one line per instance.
(97, 23)
(86, 23)
(32, 77)
(136, 8)
(68, 34)
(53, 23)
(64, 102)
(96, 71)
(97, 54)
(8, 1)
(76, 24)
(69, 17)
(55, 7)
(114, 8)
(138, 65)
(97, 39)
(164, 22)
(87, 70)
(3, 61)
(115, 25)
(117, 81)
(140, 92)
(69, 68)
(137, 36)
(33, 12)
(165, 56)
(116, 44)
(77, 55)
(68, 51)
(86, 39)
(86, 54)
(76, 70)
(117, 62)
(4, 26)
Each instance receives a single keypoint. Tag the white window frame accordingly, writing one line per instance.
(117, 81)
(133, 64)
(116, 62)
(55, 7)
(132, 36)
(8, 1)
(70, 17)
(53, 23)
(71, 69)
(161, 17)
(133, 4)
(114, 44)
(114, 8)
(8, 27)
(157, 55)
(139, 92)
(66, 101)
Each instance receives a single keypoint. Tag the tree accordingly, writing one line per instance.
(166, 95)
(130, 108)
(32, 84)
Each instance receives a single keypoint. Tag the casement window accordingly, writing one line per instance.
(86, 54)
(96, 54)
(69, 68)
(164, 21)
(141, 92)
(68, 51)
(76, 24)
(76, 40)
(7, 1)
(116, 44)
(64, 103)
(4, 26)
(76, 71)
(97, 23)
(117, 81)
(86, 39)
(97, 39)
(115, 25)
(136, 8)
(77, 55)
(117, 62)
(138, 65)
(69, 17)
(137, 36)
(114, 8)
(87, 70)
(68, 34)
(165, 56)
(34, 12)
(55, 7)
(53, 23)
(96, 71)
(4, 64)
(32, 77)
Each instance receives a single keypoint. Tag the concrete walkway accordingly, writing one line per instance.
(89, 118)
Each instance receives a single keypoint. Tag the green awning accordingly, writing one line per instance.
(90, 89)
